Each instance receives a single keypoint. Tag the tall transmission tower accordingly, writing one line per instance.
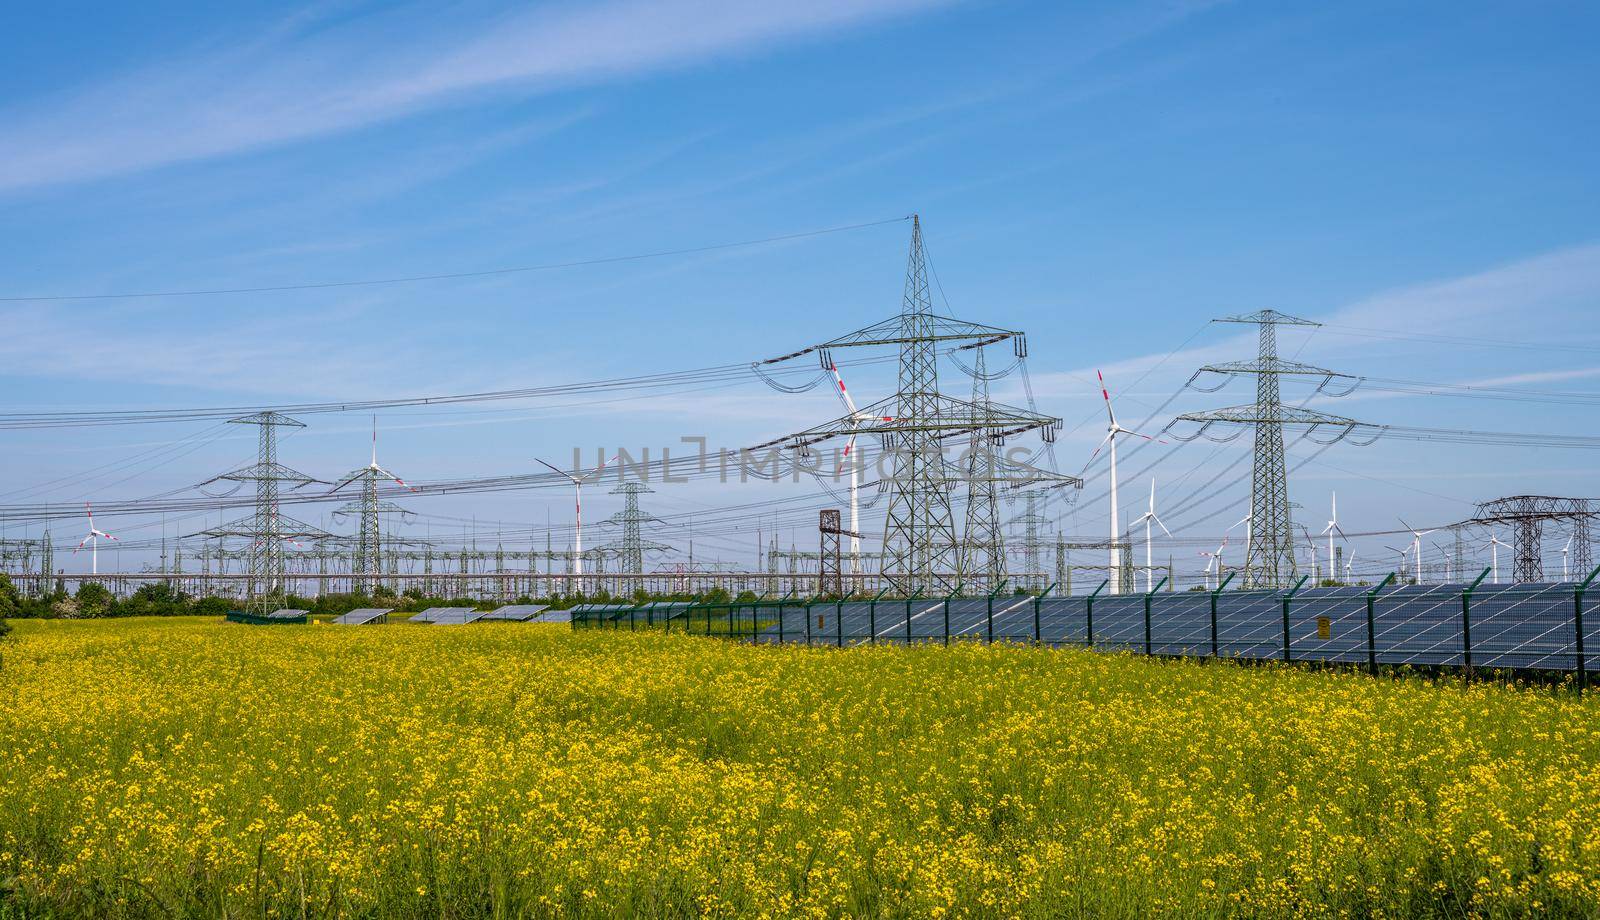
(921, 555)
(1527, 515)
(269, 529)
(1032, 545)
(368, 509)
(983, 543)
(919, 534)
(633, 546)
(1269, 558)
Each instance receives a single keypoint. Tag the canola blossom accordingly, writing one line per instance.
(193, 768)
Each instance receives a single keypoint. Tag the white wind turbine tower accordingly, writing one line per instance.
(1332, 529)
(1494, 557)
(1213, 562)
(93, 539)
(855, 415)
(1146, 519)
(1210, 562)
(1416, 546)
(1349, 561)
(1402, 553)
(577, 539)
(1217, 557)
(1564, 550)
(1449, 573)
(1112, 430)
(1311, 550)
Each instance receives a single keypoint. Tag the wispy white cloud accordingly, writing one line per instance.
(294, 83)
(1556, 287)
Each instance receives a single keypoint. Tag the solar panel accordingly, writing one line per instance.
(363, 616)
(445, 615)
(518, 612)
(456, 616)
(286, 614)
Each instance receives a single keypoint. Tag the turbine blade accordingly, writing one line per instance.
(1107, 396)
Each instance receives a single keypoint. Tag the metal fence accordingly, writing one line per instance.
(1541, 627)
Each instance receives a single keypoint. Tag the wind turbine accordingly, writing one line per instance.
(1449, 574)
(1145, 519)
(855, 415)
(1311, 550)
(1494, 558)
(1564, 549)
(1330, 530)
(1112, 430)
(1416, 546)
(1349, 561)
(577, 539)
(1402, 552)
(93, 539)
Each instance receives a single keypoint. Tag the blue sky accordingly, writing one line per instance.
(1106, 177)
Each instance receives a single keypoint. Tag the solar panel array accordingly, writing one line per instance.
(447, 616)
(287, 614)
(363, 616)
(1528, 626)
(518, 612)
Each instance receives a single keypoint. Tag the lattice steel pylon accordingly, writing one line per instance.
(830, 564)
(919, 531)
(269, 528)
(921, 555)
(1526, 514)
(982, 541)
(1270, 559)
(1032, 545)
(368, 509)
(632, 547)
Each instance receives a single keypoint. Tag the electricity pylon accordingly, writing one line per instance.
(1526, 514)
(368, 509)
(1269, 559)
(921, 555)
(1032, 544)
(269, 529)
(633, 546)
(983, 543)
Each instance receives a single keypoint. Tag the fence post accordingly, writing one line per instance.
(990, 631)
(1088, 615)
(807, 609)
(1372, 629)
(780, 622)
(1037, 600)
(872, 617)
(1577, 622)
(1466, 622)
(1147, 596)
(947, 614)
(838, 626)
(1287, 600)
(1216, 643)
(908, 620)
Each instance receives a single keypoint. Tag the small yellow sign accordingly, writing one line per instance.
(821, 621)
(1324, 628)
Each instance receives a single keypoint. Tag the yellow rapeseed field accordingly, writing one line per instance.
(181, 768)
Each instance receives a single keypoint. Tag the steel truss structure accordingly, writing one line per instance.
(914, 426)
(1527, 514)
(1269, 557)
